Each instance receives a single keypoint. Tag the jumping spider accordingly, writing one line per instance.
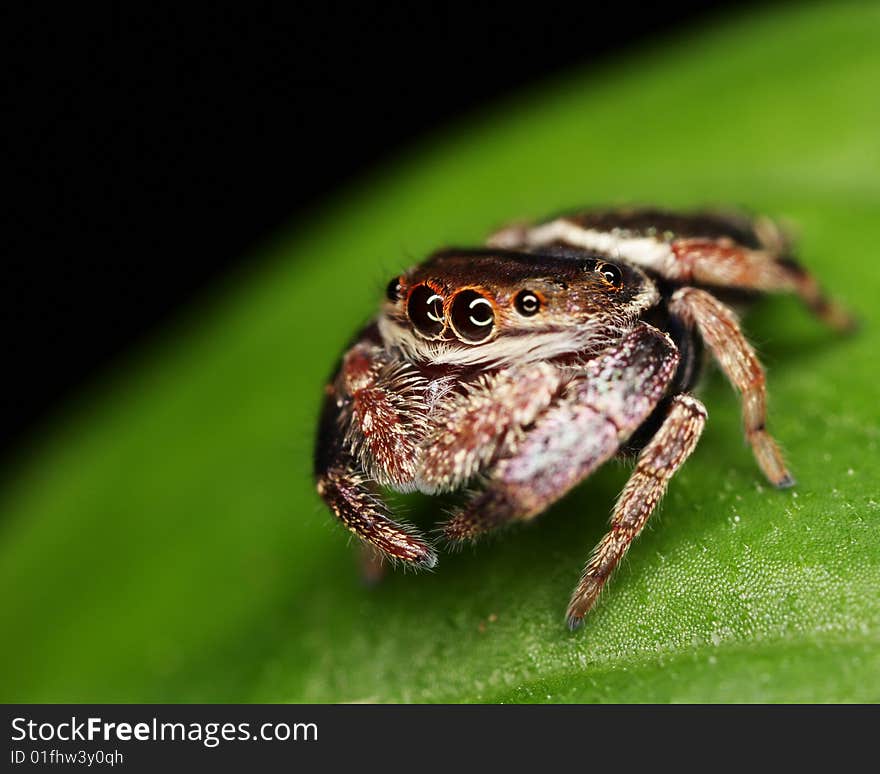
(526, 364)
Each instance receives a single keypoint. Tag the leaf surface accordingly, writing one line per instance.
(163, 542)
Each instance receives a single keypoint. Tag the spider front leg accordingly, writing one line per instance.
(671, 445)
(371, 424)
(483, 423)
(719, 328)
(605, 402)
(356, 503)
(568, 443)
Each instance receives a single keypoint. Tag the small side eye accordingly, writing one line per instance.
(394, 291)
(527, 303)
(425, 310)
(611, 273)
(472, 316)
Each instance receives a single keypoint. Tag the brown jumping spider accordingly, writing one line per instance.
(524, 365)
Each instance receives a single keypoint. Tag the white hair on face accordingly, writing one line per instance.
(503, 350)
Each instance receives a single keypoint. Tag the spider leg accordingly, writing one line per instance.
(825, 309)
(564, 447)
(722, 264)
(598, 410)
(718, 326)
(357, 505)
(657, 463)
(483, 423)
(343, 481)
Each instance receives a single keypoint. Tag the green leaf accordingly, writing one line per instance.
(163, 541)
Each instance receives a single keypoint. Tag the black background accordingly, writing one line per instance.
(152, 148)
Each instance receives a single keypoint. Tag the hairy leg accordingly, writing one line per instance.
(719, 328)
(720, 263)
(657, 463)
(483, 423)
(357, 505)
(564, 447)
(383, 431)
(599, 409)
(383, 405)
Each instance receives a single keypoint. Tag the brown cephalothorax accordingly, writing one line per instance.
(524, 365)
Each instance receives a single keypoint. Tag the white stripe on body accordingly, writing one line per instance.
(647, 252)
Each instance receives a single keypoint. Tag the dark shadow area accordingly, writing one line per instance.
(153, 149)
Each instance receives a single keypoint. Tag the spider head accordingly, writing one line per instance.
(472, 306)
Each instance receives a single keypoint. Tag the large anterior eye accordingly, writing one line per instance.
(472, 316)
(425, 310)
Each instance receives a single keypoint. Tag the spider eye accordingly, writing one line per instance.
(394, 291)
(472, 316)
(527, 303)
(425, 310)
(611, 273)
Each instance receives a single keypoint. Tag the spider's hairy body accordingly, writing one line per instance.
(524, 365)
